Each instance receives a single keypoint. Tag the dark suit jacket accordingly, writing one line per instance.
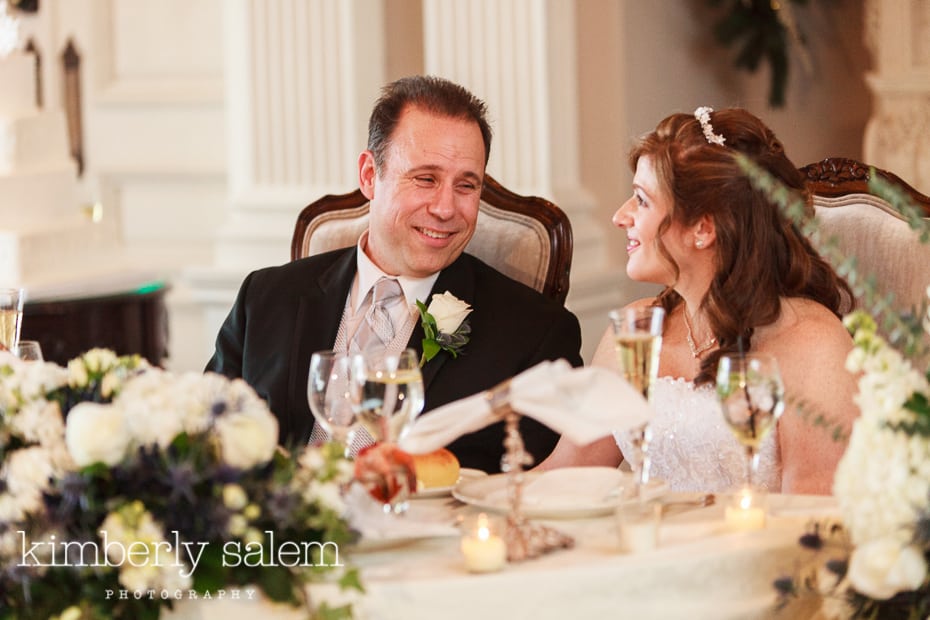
(283, 314)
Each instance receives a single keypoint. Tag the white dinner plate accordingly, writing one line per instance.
(567, 493)
(464, 474)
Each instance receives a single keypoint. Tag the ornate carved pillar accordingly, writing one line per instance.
(521, 57)
(300, 79)
(897, 136)
(299, 87)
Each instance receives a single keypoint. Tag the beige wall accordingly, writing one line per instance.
(640, 61)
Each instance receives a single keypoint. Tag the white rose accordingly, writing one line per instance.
(881, 568)
(247, 440)
(449, 312)
(96, 433)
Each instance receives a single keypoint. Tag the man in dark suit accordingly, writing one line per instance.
(429, 142)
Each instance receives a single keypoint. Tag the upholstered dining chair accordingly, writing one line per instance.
(867, 227)
(525, 237)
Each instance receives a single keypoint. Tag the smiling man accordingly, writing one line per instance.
(428, 144)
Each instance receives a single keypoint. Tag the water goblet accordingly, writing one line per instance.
(11, 317)
(29, 350)
(637, 341)
(388, 395)
(330, 397)
(751, 394)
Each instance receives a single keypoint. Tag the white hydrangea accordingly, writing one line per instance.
(883, 567)
(326, 494)
(311, 459)
(150, 402)
(39, 421)
(874, 484)
(133, 525)
(22, 382)
(27, 473)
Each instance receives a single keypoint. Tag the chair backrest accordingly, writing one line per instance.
(869, 228)
(524, 237)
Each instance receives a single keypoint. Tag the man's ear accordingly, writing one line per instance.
(366, 173)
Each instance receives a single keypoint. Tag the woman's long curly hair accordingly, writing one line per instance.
(761, 257)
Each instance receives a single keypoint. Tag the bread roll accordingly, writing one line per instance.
(434, 469)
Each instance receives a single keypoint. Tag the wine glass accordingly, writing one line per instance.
(637, 341)
(28, 350)
(11, 317)
(388, 395)
(751, 395)
(330, 397)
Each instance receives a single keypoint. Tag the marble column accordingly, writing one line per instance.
(520, 56)
(897, 136)
(300, 79)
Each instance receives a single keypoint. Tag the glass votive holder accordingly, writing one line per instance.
(483, 545)
(745, 510)
(638, 525)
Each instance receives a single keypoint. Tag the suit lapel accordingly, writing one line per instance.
(459, 280)
(319, 313)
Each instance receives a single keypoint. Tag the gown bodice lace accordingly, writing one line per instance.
(693, 449)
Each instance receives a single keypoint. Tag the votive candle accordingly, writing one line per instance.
(745, 512)
(484, 551)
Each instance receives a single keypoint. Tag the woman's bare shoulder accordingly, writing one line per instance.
(806, 334)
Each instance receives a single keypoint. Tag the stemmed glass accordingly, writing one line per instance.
(388, 394)
(330, 396)
(11, 317)
(751, 395)
(28, 350)
(637, 341)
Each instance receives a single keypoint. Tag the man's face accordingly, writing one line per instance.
(424, 202)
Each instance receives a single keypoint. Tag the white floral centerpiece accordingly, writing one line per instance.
(874, 562)
(877, 564)
(125, 488)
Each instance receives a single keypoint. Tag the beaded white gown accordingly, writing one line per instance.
(693, 449)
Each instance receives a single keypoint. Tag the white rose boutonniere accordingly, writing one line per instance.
(444, 325)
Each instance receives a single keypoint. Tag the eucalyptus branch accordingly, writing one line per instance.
(815, 417)
(904, 329)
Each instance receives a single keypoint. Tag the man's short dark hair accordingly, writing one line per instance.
(433, 94)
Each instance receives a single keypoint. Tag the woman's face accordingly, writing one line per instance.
(641, 216)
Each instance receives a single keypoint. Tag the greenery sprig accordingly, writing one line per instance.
(904, 329)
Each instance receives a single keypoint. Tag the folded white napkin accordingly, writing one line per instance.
(583, 404)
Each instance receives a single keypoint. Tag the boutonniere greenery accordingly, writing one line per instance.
(444, 325)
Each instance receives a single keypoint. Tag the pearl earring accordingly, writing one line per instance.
(699, 243)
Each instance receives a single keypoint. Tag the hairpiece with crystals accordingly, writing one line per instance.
(702, 114)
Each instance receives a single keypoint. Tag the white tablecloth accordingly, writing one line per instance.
(701, 569)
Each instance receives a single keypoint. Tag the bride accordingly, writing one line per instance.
(736, 274)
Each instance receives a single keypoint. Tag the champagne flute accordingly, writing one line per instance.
(388, 393)
(751, 395)
(637, 341)
(330, 397)
(11, 317)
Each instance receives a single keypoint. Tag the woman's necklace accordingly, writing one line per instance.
(695, 350)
